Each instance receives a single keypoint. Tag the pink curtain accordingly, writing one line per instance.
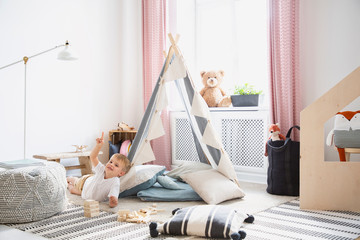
(154, 42)
(285, 101)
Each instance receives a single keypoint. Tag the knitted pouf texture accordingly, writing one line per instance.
(32, 193)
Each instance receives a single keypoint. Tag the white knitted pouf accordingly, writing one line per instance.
(32, 193)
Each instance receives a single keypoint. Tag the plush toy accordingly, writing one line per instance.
(345, 133)
(124, 127)
(275, 134)
(212, 221)
(80, 148)
(212, 93)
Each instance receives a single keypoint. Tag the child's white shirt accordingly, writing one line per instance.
(100, 189)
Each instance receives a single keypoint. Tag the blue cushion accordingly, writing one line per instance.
(168, 182)
(146, 176)
(114, 148)
(159, 193)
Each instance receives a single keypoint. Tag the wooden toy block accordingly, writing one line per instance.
(122, 212)
(121, 219)
(90, 203)
(123, 215)
(91, 208)
(96, 209)
(91, 214)
(88, 212)
(141, 216)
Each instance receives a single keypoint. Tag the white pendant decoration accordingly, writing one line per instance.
(226, 167)
(162, 101)
(199, 107)
(145, 153)
(156, 128)
(210, 137)
(176, 70)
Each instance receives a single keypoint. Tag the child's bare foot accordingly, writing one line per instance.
(71, 180)
(73, 189)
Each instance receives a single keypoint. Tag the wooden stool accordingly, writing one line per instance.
(84, 160)
(348, 151)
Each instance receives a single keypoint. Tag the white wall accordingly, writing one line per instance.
(329, 49)
(72, 102)
(68, 102)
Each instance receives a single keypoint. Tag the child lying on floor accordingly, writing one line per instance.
(105, 183)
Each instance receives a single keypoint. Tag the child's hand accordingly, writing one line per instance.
(113, 201)
(101, 139)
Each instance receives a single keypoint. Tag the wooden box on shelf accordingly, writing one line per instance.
(115, 136)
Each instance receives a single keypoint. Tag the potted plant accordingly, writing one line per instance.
(245, 96)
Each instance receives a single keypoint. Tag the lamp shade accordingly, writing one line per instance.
(66, 54)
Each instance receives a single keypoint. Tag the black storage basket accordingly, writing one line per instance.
(283, 172)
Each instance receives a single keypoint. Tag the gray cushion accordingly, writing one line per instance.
(347, 139)
(32, 193)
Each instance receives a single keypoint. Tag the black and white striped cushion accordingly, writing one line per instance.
(204, 220)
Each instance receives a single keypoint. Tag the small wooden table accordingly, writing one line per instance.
(84, 160)
(348, 151)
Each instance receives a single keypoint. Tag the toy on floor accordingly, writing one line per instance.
(346, 132)
(91, 208)
(275, 135)
(124, 127)
(212, 221)
(141, 216)
(212, 93)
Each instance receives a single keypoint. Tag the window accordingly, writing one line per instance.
(231, 35)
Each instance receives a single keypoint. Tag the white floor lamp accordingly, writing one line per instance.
(65, 54)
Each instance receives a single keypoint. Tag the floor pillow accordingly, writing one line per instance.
(187, 167)
(168, 182)
(114, 148)
(212, 186)
(211, 221)
(158, 193)
(32, 193)
(144, 177)
(125, 147)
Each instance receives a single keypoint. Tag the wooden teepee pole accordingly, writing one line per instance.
(173, 48)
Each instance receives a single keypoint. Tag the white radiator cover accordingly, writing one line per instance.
(243, 134)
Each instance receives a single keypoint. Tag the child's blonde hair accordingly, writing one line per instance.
(122, 158)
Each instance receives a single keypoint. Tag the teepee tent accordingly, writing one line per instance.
(208, 145)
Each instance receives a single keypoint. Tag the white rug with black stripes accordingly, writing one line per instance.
(285, 221)
(71, 224)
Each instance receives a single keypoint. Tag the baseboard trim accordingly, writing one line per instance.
(252, 177)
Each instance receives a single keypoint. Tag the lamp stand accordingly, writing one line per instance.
(25, 106)
(63, 55)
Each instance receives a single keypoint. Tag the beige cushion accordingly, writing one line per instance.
(187, 167)
(212, 186)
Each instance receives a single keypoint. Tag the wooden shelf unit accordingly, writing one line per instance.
(115, 136)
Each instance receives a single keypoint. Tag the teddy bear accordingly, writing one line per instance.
(213, 95)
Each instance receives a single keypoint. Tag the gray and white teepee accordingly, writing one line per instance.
(208, 145)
